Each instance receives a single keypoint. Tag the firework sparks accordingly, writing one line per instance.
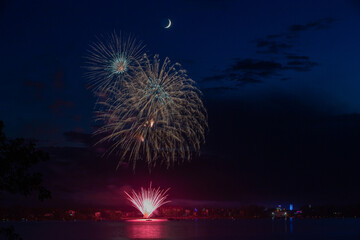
(111, 60)
(148, 200)
(157, 115)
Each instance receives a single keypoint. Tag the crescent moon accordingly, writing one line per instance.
(169, 24)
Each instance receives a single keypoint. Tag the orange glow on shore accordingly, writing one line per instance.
(147, 220)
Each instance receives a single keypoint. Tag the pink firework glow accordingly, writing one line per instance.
(148, 200)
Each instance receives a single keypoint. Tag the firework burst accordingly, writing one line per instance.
(111, 60)
(148, 200)
(157, 115)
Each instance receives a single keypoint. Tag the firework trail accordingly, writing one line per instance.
(148, 200)
(157, 115)
(111, 60)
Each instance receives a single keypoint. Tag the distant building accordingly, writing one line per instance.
(279, 213)
(97, 216)
(71, 213)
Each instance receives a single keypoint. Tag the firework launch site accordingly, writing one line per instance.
(176, 213)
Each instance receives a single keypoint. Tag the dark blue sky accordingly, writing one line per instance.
(274, 70)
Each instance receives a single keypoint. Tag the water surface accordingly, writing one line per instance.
(254, 229)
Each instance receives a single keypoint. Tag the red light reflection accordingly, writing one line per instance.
(146, 228)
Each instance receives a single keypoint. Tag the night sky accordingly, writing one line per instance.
(280, 81)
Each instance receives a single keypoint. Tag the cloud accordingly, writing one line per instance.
(246, 80)
(278, 43)
(214, 78)
(255, 71)
(275, 61)
(257, 67)
(247, 71)
(219, 89)
(273, 47)
(294, 57)
(320, 24)
(300, 66)
(250, 71)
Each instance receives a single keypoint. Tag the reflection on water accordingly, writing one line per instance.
(145, 229)
(282, 225)
(244, 229)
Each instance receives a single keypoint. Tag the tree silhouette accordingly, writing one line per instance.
(17, 156)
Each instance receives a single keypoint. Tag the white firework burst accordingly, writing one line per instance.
(157, 115)
(148, 200)
(112, 59)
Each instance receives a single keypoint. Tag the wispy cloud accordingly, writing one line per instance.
(276, 59)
